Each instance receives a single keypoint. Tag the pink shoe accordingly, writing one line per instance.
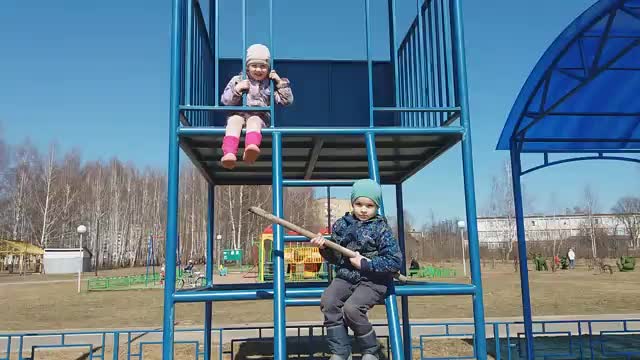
(251, 153)
(228, 161)
(229, 149)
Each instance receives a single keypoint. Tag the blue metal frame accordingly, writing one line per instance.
(533, 105)
(429, 73)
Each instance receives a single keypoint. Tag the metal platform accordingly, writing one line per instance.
(401, 152)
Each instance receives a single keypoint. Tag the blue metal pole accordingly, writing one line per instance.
(522, 250)
(391, 303)
(116, 345)
(208, 306)
(367, 25)
(404, 300)
(480, 343)
(420, 54)
(430, 65)
(279, 315)
(393, 52)
(188, 86)
(216, 55)
(173, 177)
(412, 76)
(272, 105)
(244, 46)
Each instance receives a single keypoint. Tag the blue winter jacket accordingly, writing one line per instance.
(374, 240)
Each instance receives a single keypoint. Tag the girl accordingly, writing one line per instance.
(258, 94)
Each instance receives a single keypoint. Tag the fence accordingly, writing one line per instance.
(566, 339)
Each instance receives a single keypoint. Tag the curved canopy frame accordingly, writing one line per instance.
(581, 98)
(582, 93)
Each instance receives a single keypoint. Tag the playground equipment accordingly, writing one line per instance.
(303, 262)
(150, 279)
(581, 98)
(343, 126)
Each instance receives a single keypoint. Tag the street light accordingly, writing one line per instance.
(461, 226)
(81, 230)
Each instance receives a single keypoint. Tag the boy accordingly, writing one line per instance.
(362, 281)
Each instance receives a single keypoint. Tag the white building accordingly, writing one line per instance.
(338, 208)
(497, 232)
(66, 261)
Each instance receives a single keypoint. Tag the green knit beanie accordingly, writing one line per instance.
(367, 188)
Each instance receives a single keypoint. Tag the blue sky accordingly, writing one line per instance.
(94, 76)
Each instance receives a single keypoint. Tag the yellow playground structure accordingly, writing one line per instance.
(303, 262)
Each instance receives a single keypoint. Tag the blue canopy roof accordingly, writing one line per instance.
(584, 92)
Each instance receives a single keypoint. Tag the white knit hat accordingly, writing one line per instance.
(258, 53)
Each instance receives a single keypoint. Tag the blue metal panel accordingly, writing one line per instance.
(337, 96)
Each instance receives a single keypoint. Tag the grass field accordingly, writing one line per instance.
(34, 303)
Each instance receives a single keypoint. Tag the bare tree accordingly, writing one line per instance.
(590, 225)
(627, 210)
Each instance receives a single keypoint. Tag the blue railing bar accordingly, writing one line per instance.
(393, 47)
(223, 108)
(317, 183)
(116, 345)
(438, 58)
(216, 69)
(367, 27)
(400, 101)
(421, 55)
(598, 140)
(424, 289)
(581, 158)
(302, 302)
(244, 47)
(449, 130)
(172, 181)
(432, 62)
(189, 55)
(411, 56)
(419, 109)
(205, 37)
(583, 151)
(450, 70)
(405, 40)
(300, 238)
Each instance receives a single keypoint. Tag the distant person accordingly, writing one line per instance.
(572, 258)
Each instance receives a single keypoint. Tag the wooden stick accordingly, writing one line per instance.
(306, 233)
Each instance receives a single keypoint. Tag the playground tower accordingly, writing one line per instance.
(381, 119)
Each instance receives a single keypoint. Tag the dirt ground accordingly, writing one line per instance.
(33, 302)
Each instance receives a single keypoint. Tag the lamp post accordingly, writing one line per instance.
(461, 226)
(81, 230)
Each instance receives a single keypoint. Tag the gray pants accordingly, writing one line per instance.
(343, 303)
